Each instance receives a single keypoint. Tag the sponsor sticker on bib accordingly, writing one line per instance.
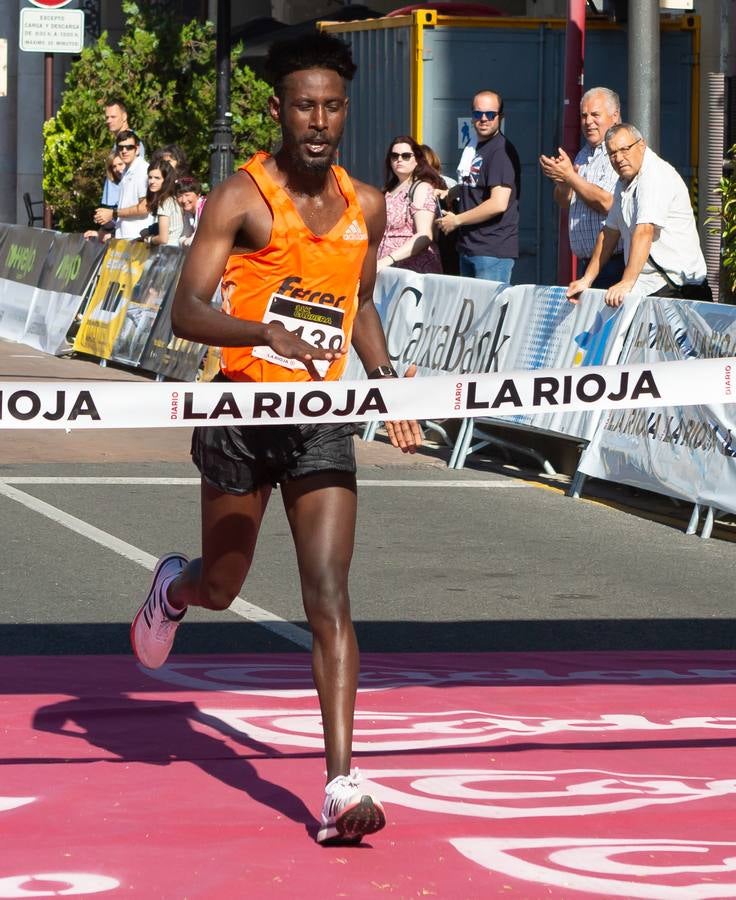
(317, 324)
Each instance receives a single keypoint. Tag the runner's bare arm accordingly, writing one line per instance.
(235, 219)
(369, 339)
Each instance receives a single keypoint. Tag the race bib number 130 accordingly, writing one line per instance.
(318, 325)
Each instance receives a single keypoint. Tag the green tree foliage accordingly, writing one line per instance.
(165, 73)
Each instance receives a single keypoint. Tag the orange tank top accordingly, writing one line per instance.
(308, 282)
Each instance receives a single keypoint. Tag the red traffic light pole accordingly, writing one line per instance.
(574, 69)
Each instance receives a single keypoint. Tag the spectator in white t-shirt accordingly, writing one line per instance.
(161, 200)
(131, 212)
(653, 215)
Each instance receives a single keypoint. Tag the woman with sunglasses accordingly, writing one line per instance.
(410, 209)
(161, 199)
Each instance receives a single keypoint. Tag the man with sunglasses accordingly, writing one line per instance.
(131, 213)
(653, 215)
(487, 220)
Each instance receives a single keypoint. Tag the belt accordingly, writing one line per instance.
(584, 261)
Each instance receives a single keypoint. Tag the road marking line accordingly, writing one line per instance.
(362, 482)
(241, 607)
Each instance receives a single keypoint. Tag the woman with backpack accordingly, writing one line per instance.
(411, 209)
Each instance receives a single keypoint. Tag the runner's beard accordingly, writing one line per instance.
(315, 164)
(309, 165)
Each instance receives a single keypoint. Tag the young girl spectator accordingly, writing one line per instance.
(410, 209)
(190, 198)
(161, 200)
(114, 168)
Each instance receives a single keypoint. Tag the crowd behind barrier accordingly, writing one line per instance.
(116, 297)
(121, 299)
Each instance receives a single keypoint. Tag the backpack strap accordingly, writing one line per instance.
(412, 190)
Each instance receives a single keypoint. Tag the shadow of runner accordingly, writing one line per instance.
(160, 732)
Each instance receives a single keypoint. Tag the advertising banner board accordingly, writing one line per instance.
(684, 452)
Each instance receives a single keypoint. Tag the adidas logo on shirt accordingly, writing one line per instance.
(354, 232)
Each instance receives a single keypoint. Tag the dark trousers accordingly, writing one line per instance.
(611, 273)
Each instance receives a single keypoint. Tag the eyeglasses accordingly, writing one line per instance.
(612, 154)
(490, 114)
(126, 146)
(395, 157)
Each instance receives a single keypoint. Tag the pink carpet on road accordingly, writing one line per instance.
(522, 775)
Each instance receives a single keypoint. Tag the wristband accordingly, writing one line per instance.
(393, 261)
(383, 372)
(115, 211)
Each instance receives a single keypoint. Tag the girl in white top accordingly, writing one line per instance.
(161, 200)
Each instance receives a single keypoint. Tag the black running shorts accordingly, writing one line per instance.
(241, 459)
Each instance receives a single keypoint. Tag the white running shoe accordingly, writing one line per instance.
(152, 632)
(348, 813)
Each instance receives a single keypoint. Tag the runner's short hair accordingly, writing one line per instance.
(315, 51)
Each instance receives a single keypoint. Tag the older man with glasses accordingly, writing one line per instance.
(584, 186)
(131, 213)
(652, 212)
(487, 196)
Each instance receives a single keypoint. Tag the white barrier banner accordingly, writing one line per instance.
(683, 453)
(158, 405)
(442, 324)
(546, 331)
(448, 324)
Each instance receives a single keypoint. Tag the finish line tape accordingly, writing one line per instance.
(105, 404)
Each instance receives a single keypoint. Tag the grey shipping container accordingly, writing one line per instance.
(417, 74)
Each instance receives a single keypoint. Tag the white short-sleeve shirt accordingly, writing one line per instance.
(658, 196)
(133, 186)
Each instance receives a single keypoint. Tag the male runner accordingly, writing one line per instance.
(285, 228)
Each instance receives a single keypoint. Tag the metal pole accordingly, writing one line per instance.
(48, 113)
(644, 77)
(574, 66)
(221, 158)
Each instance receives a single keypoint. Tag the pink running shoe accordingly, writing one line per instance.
(348, 813)
(152, 632)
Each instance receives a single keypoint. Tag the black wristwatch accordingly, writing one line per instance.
(384, 372)
(115, 212)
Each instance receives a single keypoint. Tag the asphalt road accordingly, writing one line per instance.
(487, 558)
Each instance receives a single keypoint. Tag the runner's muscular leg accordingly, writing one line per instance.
(230, 526)
(321, 509)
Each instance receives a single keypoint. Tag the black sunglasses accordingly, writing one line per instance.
(490, 114)
(397, 156)
(127, 146)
